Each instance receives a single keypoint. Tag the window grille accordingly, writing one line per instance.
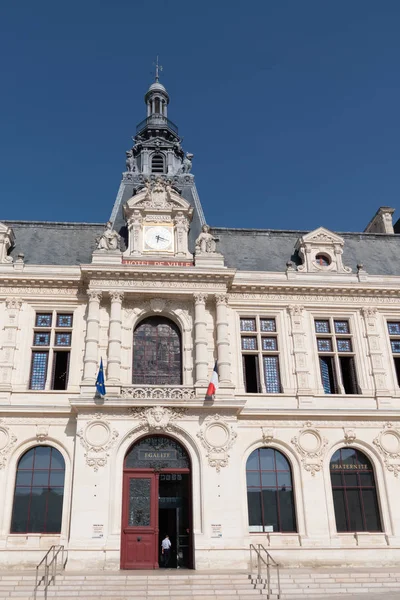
(336, 356)
(260, 355)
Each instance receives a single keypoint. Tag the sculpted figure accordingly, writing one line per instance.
(187, 163)
(110, 239)
(130, 162)
(205, 243)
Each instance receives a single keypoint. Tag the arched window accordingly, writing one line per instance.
(39, 491)
(157, 352)
(157, 163)
(354, 492)
(270, 492)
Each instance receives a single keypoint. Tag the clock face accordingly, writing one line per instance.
(158, 238)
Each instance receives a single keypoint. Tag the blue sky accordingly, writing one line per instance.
(291, 107)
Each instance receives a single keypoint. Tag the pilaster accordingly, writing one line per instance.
(92, 337)
(301, 362)
(9, 342)
(378, 370)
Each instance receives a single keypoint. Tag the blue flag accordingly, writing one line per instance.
(100, 387)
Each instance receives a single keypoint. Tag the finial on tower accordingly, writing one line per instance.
(158, 69)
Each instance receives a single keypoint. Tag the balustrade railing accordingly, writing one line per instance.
(156, 119)
(158, 392)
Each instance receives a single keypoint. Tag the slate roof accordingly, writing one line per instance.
(269, 250)
(49, 243)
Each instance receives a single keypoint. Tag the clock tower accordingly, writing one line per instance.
(157, 211)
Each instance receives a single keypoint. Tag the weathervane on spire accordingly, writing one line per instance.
(158, 68)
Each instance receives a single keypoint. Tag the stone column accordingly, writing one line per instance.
(200, 339)
(92, 337)
(378, 369)
(224, 364)
(9, 342)
(114, 338)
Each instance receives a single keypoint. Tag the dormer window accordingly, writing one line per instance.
(321, 250)
(157, 163)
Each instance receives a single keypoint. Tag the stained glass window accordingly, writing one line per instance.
(39, 370)
(157, 352)
(247, 325)
(267, 324)
(322, 327)
(39, 491)
(139, 502)
(64, 320)
(394, 328)
(271, 374)
(343, 345)
(270, 492)
(269, 343)
(43, 320)
(249, 343)
(354, 492)
(63, 339)
(342, 327)
(41, 338)
(324, 345)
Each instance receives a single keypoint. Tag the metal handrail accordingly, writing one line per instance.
(155, 119)
(49, 565)
(269, 563)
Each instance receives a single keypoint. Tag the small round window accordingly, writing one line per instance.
(322, 260)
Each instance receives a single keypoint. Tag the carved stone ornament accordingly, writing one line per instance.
(97, 438)
(7, 240)
(388, 444)
(349, 436)
(205, 243)
(157, 418)
(157, 305)
(321, 251)
(267, 435)
(13, 303)
(42, 433)
(217, 437)
(7, 441)
(158, 393)
(311, 447)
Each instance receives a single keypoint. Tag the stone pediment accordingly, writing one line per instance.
(157, 196)
(322, 235)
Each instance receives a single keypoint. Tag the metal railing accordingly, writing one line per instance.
(49, 562)
(268, 562)
(156, 119)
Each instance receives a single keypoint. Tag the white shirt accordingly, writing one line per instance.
(166, 544)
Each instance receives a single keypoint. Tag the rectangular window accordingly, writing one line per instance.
(336, 356)
(260, 355)
(394, 333)
(52, 337)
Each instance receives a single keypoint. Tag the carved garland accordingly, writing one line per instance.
(388, 444)
(97, 438)
(311, 446)
(7, 441)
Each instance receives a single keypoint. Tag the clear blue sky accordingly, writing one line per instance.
(291, 107)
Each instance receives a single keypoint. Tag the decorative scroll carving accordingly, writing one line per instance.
(158, 393)
(267, 435)
(388, 444)
(157, 418)
(42, 432)
(94, 295)
(7, 441)
(116, 296)
(349, 436)
(311, 446)
(97, 438)
(217, 437)
(13, 303)
(157, 305)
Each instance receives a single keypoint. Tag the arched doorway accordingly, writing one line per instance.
(157, 500)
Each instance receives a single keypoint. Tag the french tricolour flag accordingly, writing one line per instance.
(213, 385)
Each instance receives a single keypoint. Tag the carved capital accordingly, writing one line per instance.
(295, 310)
(94, 295)
(116, 296)
(369, 312)
(200, 298)
(221, 299)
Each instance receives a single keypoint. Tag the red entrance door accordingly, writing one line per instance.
(139, 521)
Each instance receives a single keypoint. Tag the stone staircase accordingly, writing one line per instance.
(204, 585)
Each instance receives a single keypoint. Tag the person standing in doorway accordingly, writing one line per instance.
(166, 550)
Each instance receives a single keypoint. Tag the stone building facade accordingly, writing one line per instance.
(298, 450)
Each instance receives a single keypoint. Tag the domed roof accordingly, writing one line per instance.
(156, 87)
